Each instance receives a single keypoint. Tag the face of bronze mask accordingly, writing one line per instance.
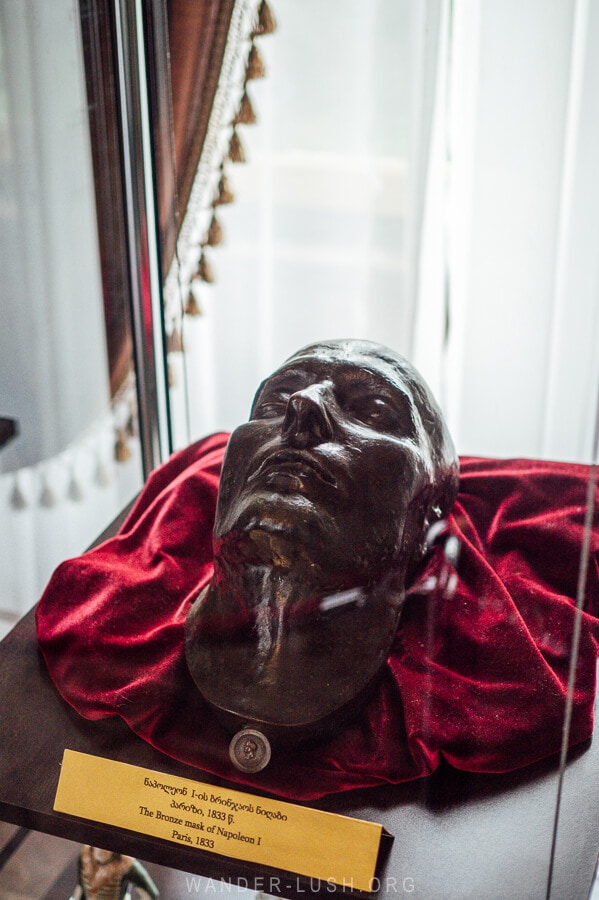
(325, 499)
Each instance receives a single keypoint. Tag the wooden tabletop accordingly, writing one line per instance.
(456, 835)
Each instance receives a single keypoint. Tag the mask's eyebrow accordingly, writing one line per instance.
(291, 373)
(286, 378)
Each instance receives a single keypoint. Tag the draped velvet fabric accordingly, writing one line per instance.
(477, 677)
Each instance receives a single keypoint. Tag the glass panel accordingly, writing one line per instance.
(327, 205)
(66, 376)
(423, 174)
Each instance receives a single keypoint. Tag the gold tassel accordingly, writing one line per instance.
(255, 66)
(75, 490)
(174, 341)
(204, 271)
(236, 151)
(225, 194)
(266, 21)
(132, 426)
(245, 113)
(102, 476)
(122, 453)
(47, 497)
(18, 500)
(192, 307)
(215, 233)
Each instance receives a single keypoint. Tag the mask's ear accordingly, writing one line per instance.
(433, 516)
(416, 527)
(425, 514)
(445, 493)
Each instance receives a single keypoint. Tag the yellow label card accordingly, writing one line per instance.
(309, 842)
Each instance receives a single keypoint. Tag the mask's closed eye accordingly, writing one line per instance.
(373, 411)
(379, 411)
(271, 406)
(272, 398)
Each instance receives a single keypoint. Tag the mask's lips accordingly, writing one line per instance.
(292, 463)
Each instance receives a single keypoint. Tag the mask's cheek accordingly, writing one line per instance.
(233, 477)
(417, 524)
(409, 492)
(242, 456)
(250, 444)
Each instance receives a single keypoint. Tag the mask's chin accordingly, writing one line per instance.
(297, 519)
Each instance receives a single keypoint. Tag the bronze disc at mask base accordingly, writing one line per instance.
(250, 750)
(326, 496)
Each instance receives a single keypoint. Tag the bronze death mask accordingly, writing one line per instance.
(325, 500)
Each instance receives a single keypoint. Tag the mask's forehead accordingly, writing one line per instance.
(332, 361)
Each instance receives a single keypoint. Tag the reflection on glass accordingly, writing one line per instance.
(74, 461)
(429, 197)
(423, 174)
(322, 236)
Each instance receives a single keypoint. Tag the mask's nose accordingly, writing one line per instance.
(307, 422)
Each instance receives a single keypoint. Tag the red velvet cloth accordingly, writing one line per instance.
(479, 678)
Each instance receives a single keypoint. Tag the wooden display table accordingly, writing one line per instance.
(456, 834)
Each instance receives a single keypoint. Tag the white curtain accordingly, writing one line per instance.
(323, 239)
(422, 174)
(512, 235)
(59, 482)
(52, 345)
